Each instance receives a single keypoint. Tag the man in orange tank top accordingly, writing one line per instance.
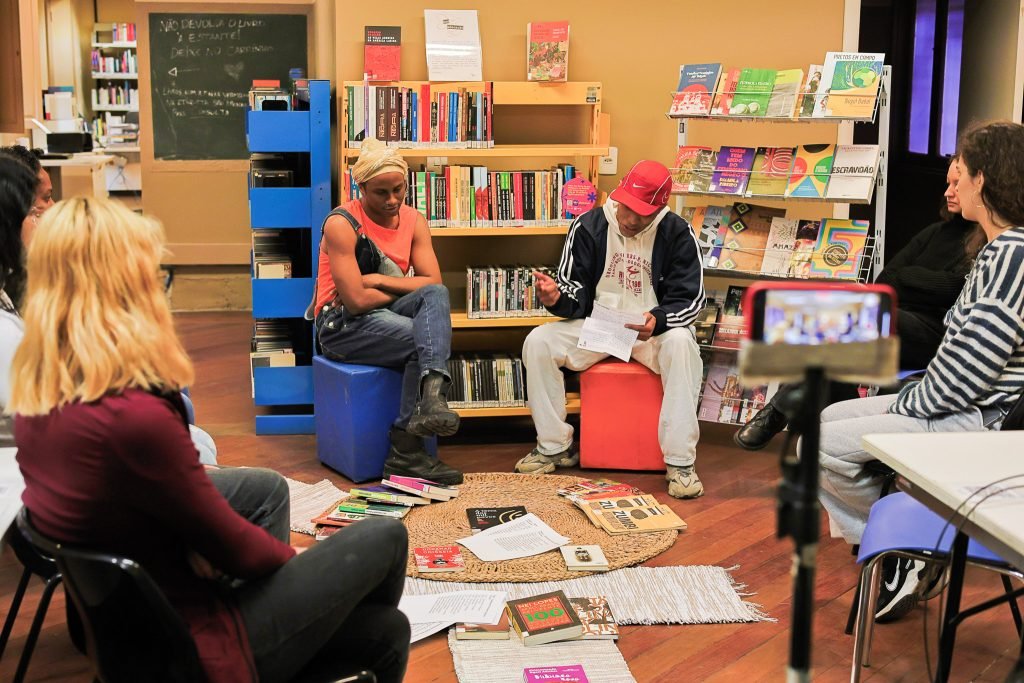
(396, 317)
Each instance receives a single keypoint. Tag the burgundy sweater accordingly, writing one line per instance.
(121, 475)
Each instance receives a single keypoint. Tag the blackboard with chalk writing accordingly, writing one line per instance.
(201, 68)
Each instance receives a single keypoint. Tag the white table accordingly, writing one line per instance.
(80, 174)
(941, 471)
(11, 486)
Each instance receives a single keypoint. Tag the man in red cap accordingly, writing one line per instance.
(633, 255)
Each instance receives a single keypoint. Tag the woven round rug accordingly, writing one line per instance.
(443, 523)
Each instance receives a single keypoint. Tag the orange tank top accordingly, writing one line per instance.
(395, 243)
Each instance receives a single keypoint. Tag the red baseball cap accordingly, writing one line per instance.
(645, 189)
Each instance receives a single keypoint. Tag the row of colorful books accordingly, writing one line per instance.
(620, 508)
(845, 86)
(494, 380)
(503, 292)
(430, 115)
(476, 197)
(394, 497)
(752, 239)
(124, 63)
(819, 171)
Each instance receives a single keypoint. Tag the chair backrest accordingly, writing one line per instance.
(1014, 420)
(132, 633)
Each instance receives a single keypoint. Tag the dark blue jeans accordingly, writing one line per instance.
(331, 611)
(414, 334)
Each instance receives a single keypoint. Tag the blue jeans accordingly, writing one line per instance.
(414, 333)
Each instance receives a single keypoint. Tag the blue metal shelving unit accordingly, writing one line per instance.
(293, 208)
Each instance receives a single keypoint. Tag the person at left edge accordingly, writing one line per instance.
(634, 255)
(398, 318)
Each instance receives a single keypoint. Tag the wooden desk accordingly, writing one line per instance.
(81, 174)
(942, 471)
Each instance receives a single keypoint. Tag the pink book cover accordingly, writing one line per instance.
(561, 674)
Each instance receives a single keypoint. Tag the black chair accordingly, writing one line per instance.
(43, 566)
(131, 632)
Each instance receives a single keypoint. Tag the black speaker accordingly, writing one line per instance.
(67, 143)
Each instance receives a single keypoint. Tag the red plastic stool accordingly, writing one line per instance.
(620, 404)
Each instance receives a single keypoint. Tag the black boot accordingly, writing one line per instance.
(432, 414)
(756, 434)
(408, 458)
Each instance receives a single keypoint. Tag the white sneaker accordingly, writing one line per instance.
(536, 462)
(683, 482)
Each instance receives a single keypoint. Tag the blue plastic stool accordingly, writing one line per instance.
(354, 406)
(899, 526)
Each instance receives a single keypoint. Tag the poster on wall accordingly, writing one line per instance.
(453, 45)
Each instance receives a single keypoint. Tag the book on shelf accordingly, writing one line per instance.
(746, 236)
(839, 249)
(687, 159)
(731, 323)
(597, 618)
(444, 115)
(465, 630)
(453, 45)
(420, 487)
(547, 51)
(382, 53)
(779, 249)
(544, 618)
(584, 558)
(439, 558)
(811, 168)
(703, 169)
(697, 83)
(632, 514)
(732, 394)
(270, 254)
(753, 91)
(785, 94)
(481, 519)
(722, 102)
(712, 232)
(769, 174)
(853, 172)
(503, 292)
(383, 494)
(849, 84)
(565, 673)
(706, 324)
(732, 170)
(803, 248)
(809, 90)
(495, 380)
(718, 370)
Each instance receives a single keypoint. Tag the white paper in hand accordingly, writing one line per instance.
(605, 332)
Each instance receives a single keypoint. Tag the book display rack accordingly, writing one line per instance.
(742, 241)
(287, 212)
(493, 195)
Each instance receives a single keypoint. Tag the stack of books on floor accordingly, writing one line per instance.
(394, 497)
(621, 508)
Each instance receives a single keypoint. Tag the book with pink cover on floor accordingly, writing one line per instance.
(420, 487)
(573, 673)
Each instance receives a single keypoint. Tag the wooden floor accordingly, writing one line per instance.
(732, 526)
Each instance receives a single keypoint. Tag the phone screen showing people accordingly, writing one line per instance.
(811, 317)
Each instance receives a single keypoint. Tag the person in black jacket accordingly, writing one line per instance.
(632, 255)
(928, 275)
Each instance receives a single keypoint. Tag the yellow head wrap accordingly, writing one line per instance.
(375, 158)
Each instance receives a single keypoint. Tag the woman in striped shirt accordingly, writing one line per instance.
(978, 371)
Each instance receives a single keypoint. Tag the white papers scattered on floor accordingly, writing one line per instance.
(478, 607)
(604, 331)
(421, 631)
(522, 537)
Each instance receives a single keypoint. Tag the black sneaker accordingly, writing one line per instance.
(901, 588)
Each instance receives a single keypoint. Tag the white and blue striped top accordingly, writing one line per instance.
(981, 359)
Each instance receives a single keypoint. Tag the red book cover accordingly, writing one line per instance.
(439, 558)
(382, 53)
(424, 112)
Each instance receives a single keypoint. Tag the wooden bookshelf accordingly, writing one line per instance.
(572, 406)
(519, 231)
(498, 151)
(460, 321)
